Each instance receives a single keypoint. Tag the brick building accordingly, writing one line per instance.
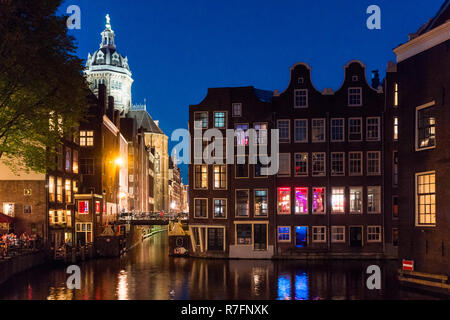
(418, 87)
(231, 207)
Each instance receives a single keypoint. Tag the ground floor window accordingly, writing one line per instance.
(338, 234)
(84, 233)
(244, 234)
(260, 236)
(319, 234)
(284, 234)
(215, 239)
(373, 233)
(301, 237)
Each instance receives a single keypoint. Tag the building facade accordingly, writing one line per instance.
(419, 85)
(231, 206)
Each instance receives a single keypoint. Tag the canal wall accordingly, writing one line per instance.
(14, 265)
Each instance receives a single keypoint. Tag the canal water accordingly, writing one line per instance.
(146, 272)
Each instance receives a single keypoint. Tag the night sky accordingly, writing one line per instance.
(177, 49)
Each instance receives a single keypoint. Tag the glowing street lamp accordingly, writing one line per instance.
(118, 162)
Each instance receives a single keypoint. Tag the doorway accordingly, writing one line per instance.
(301, 237)
(260, 236)
(356, 237)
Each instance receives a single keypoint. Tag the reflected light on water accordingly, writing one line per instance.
(60, 293)
(284, 287)
(122, 286)
(301, 286)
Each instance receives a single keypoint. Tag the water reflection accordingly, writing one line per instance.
(148, 273)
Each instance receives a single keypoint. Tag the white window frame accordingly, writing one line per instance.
(379, 163)
(295, 98)
(343, 130)
(324, 201)
(343, 164)
(360, 97)
(254, 203)
(343, 201)
(236, 204)
(417, 213)
(214, 208)
(295, 130)
(278, 234)
(350, 173)
(334, 233)
(416, 126)
(314, 232)
(225, 119)
(307, 164)
(373, 233)
(324, 127)
(195, 212)
(201, 172)
(378, 129)
(360, 129)
(361, 189)
(324, 173)
(288, 140)
(214, 176)
(379, 200)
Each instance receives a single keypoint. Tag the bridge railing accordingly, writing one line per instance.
(133, 216)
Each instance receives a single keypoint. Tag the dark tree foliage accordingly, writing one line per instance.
(43, 93)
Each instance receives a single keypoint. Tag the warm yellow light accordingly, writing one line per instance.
(118, 161)
(122, 195)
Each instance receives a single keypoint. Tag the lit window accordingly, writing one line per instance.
(337, 129)
(373, 129)
(373, 163)
(373, 233)
(301, 164)
(260, 133)
(301, 130)
(68, 189)
(355, 163)
(241, 132)
(396, 95)
(237, 109)
(201, 120)
(261, 204)
(220, 208)
(284, 164)
(59, 190)
(319, 234)
(337, 200)
(338, 234)
(354, 97)
(8, 209)
(219, 120)
(200, 208)
(356, 200)
(318, 164)
(284, 234)
(395, 207)
(426, 128)
(318, 200)
(75, 161)
(201, 176)
(51, 189)
(244, 234)
(84, 232)
(86, 138)
(68, 160)
(395, 128)
(318, 130)
(220, 177)
(301, 200)
(284, 201)
(284, 130)
(373, 199)
(242, 203)
(426, 199)
(354, 129)
(83, 207)
(337, 163)
(301, 98)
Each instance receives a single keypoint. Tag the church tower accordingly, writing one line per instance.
(107, 66)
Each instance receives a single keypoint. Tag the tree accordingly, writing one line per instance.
(43, 92)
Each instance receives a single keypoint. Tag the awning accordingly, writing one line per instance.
(5, 219)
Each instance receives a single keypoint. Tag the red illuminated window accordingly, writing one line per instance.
(301, 200)
(97, 207)
(318, 200)
(284, 200)
(83, 207)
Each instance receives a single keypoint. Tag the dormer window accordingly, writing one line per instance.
(301, 98)
(355, 97)
(355, 78)
(300, 80)
(115, 57)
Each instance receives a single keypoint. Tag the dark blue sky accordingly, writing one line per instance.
(177, 49)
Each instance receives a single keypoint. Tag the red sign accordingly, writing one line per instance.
(97, 207)
(83, 207)
(408, 265)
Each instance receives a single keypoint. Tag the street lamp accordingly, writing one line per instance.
(118, 161)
